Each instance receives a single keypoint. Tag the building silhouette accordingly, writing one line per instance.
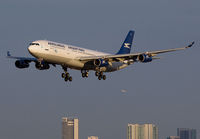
(173, 137)
(186, 133)
(69, 128)
(145, 131)
(93, 137)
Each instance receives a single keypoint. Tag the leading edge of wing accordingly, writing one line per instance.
(171, 50)
(131, 55)
(20, 58)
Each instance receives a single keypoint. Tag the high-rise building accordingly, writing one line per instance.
(186, 133)
(145, 131)
(173, 137)
(69, 128)
(92, 137)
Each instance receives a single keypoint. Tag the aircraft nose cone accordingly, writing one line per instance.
(30, 49)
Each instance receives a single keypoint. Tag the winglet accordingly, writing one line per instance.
(190, 45)
(8, 54)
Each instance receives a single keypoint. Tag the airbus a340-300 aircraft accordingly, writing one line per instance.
(48, 53)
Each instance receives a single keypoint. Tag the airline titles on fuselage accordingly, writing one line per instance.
(63, 46)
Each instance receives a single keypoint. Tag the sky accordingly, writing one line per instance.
(164, 92)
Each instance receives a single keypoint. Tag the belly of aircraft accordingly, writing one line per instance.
(57, 59)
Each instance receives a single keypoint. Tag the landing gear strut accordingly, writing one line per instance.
(100, 75)
(66, 75)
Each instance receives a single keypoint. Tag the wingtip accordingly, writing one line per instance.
(191, 44)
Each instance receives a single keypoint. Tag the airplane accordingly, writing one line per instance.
(48, 53)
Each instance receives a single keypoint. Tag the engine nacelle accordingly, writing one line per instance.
(21, 64)
(42, 66)
(100, 62)
(144, 58)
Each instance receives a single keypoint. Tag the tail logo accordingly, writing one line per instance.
(127, 45)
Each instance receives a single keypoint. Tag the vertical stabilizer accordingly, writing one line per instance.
(126, 46)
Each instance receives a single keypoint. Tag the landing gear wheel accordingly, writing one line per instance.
(83, 75)
(101, 73)
(96, 73)
(86, 74)
(70, 78)
(104, 77)
(63, 75)
(67, 75)
(66, 79)
(99, 77)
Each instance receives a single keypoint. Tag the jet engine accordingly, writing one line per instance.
(21, 64)
(100, 62)
(42, 66)
(97, 62)
(144, 58)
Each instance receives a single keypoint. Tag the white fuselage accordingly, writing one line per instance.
(68, 55)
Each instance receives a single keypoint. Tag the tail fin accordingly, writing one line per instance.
(126, 46)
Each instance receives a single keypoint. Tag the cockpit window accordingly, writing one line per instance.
(34, 44)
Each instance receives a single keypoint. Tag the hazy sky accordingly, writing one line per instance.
(164, 92)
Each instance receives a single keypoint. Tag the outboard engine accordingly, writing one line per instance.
(21, 64)
(144, 58)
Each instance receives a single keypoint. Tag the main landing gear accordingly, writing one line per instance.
(100, 75)
(85, 73)
(66, 76)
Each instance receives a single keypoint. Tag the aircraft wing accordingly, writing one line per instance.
(28, 59)
(121, 57)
